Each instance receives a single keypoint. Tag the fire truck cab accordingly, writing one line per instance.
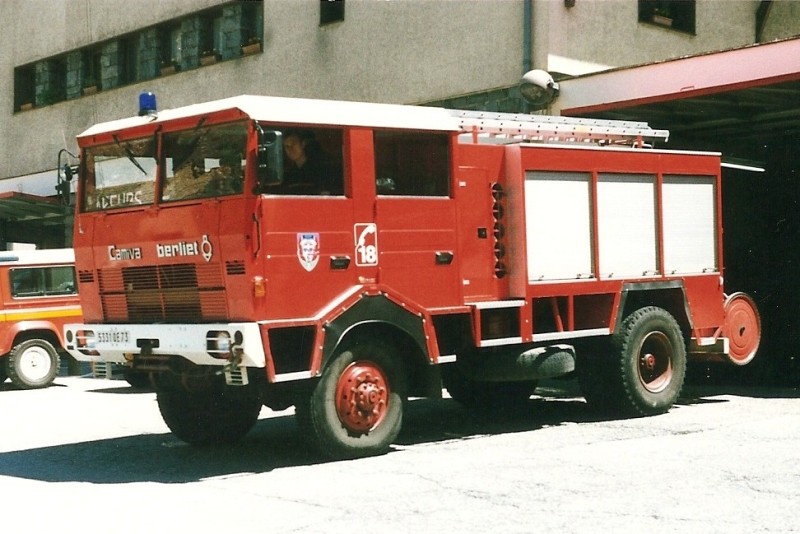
(342, 257)
(38, 295)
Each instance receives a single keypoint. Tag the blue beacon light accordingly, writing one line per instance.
(147, 104)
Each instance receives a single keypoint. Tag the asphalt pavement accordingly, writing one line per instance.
(94, 455)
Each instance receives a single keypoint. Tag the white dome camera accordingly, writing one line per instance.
(538, 88)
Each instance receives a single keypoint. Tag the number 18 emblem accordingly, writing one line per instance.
(366, 243)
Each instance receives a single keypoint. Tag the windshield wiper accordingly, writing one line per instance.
(130, 154)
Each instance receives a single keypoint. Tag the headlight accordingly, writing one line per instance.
(218, 344)
(86, 342)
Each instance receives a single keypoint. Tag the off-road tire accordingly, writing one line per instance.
(370, 375)
(32, 364)
(209, 417)
(650, 362)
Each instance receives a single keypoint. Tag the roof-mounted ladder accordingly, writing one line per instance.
(513, 127)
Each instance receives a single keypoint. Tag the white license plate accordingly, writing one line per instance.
(113, 337)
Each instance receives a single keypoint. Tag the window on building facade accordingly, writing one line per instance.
(128, 60)
(676, 14)
(50, 76)
(211, 37)
(91, 59)
(169, 46)
(24, 87)
(331, 11)
(412, 163)
(225, 32)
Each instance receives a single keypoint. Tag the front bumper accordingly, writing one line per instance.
(201, 344)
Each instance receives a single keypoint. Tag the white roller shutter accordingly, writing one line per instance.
(626, 210)
(690, 224)
(558, 225)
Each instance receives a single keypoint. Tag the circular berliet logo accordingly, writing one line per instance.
(206, 249)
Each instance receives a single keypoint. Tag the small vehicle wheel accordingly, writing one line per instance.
(356, 407)
(32, 364)
(209, 417)
(652, 361)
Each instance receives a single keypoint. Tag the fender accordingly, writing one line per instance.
(23, 327)
(378, 309)
(670, 295)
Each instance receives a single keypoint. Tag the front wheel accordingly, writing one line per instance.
(356, 407)
(652, 361)
(32, 364)
(210, 417)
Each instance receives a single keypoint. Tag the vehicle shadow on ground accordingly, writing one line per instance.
(277, 442)
(274, 443)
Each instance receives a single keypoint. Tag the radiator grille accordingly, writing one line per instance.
(163, 293)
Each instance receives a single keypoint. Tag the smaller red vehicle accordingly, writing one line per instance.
(38, 295)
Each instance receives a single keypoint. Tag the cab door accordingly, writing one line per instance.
(415, 217)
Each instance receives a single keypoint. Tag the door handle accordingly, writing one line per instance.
(444, 257)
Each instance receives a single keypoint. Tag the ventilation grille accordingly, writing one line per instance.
(234, 267)
(163, 294)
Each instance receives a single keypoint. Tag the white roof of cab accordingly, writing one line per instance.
(60, 256)
(302, 111)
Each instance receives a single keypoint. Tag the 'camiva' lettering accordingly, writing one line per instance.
(118, 254)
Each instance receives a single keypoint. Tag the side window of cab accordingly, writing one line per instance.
(412, 163)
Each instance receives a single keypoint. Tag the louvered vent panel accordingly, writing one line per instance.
(163, 293)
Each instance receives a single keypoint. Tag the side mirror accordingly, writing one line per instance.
(270, 158)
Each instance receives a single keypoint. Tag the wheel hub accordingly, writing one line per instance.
(35, 363)
(655, 362)
(362, 397)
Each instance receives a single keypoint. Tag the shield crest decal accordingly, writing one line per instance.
(308, 250)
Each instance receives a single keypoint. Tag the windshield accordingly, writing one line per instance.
(204, 162)
(120, 174)
(197, 163)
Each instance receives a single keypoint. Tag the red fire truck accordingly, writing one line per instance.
(342, 257)
(38, 295)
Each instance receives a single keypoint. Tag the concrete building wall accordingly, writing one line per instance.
(463, 52)
(596, 35)
(398, 51)
(783, 20)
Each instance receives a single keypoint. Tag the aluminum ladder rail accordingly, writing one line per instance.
(514, 127)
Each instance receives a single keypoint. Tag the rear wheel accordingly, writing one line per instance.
(33, 364)
(210, 417)
(651, 361)
(356, 407)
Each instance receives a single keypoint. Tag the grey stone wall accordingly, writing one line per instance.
(147, 55)
(74, 75)
(504, 100)
(111, 68)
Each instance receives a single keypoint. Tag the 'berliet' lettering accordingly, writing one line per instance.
(185, 248)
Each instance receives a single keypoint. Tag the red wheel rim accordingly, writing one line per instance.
(655, 362)
(742, 328)
(362, 397)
